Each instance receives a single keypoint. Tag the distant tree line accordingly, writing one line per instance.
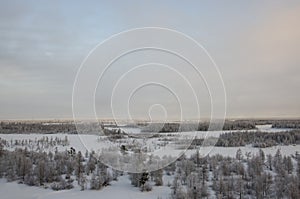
(294, 124)
(230, 125)
(278, 123)
(40, 127)
(36, 127)
(259, 139)
(202, 126)
(36, 144)
(51, 127)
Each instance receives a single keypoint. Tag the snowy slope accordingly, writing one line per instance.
(120, 189)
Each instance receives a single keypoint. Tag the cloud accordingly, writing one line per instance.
(264, 72)
(256, 46)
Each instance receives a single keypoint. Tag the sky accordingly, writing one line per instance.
(255, 44)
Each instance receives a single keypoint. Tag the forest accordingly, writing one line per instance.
(244, 176)
(259, 139)
(52, 162)
(69, 127)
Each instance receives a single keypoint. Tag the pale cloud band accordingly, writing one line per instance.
(256, 45)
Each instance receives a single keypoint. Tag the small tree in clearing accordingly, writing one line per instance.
(239, 155)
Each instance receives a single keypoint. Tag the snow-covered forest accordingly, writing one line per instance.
(263, 162)
(65, 126)
(246, 175)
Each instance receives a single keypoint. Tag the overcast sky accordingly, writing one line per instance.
(256, 45)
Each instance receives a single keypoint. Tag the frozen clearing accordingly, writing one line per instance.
(268, 128)
(119, 189)
(90, 142)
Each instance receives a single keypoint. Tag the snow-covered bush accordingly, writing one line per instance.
(146, 187)
(61, 185)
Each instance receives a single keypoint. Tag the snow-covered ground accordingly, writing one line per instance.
(268, 128)
(118, 189)
(91, 142)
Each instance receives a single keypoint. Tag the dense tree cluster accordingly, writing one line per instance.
(249, 176)
(146, 180)
(259, 139)
(37, 127)
(245, 176)
(60, 170)
(48, 127)
(202, 126)
(278, 123)
(51, 127)
(56, 170)
(168, 127)
(229, 125)
(295, 124)
(36, 144)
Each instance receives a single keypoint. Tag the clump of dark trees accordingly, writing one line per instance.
(14, 127)
(278, 123)
(48, 127)
(259, 139)
(51, 127)
(294, 124)
(37, 144)
(202, 126)
(230, 125)
(146, 180)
